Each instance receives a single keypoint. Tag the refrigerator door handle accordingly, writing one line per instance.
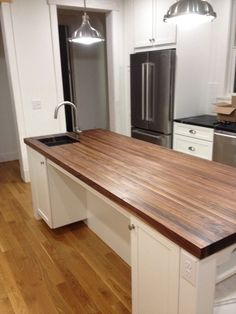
(143, 90)
(147, 90)
(152, 91)
(150, 77)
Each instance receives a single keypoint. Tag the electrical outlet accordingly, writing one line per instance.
(188, 267)
(36, 104)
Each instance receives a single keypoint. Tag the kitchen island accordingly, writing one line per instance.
(181, 212)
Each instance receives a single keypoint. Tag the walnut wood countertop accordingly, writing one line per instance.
(189, 200)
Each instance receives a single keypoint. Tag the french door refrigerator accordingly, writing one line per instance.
(152, 96)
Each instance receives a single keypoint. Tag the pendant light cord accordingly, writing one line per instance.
(84, 6)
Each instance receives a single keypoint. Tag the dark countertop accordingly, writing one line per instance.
(209, 121)
(189, 200)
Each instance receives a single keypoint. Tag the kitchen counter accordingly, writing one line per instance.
(189, 200)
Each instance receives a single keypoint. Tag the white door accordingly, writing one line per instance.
(155, 271)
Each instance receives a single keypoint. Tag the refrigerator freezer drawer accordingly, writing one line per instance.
(152, 137)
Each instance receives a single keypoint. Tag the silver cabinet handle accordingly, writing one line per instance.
(131, 227)
(192, 131)
(191, 148)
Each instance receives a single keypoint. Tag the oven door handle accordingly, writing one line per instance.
(225, 135)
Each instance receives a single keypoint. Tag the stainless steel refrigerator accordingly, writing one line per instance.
(152, 96)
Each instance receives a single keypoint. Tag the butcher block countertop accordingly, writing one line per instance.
(189, 200)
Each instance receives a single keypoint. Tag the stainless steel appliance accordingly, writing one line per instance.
(152, 96)
(224, 149)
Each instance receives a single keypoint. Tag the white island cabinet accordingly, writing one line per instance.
(149, 27)
(166, 279)
(155, 271)
(39, 186)
(57, 199)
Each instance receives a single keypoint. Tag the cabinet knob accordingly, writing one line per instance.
(192, 149)
(42, 162)
(131, 227)
(192, 131)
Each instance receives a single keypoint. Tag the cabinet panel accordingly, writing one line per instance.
(39, 183)
(143, 23)
(155, 271)
(164, 33)
(68, 198)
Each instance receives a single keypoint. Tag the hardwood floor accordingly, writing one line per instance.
(68, 270)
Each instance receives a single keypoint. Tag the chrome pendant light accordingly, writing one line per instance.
(86, 34)
(190, 12)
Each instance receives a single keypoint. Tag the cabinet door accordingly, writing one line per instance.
(39, 183)
(143, 23)
(155, 271)
(164, 33)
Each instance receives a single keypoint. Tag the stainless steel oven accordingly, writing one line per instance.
(224, 149)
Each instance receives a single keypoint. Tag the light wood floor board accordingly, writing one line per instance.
(68, 270)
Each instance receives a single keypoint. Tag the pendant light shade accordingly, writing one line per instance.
(190, 11)
(86, 34)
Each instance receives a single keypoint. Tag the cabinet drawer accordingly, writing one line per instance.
(193, 146)
(194, 131)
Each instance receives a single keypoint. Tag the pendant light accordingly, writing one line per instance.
(86, 34)
(187, 12)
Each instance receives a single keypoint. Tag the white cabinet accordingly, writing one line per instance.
(155, 271)
(57, 199)
(39, 185)
(143, 23)
(193, 140)
(149, 28)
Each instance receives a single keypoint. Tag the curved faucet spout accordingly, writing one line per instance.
(75, 126)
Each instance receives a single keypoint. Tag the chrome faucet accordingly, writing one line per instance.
(75, 126)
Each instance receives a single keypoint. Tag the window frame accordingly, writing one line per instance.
(232, 52)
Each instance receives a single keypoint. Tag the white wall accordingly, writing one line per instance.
(89, 72)
(202, 63)
(8, 138)
(27, 32)
(192, 70)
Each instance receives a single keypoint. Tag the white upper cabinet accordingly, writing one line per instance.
(143, 23)
(149, 28)
(164, 33)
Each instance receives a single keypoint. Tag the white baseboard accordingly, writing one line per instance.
(8, 156)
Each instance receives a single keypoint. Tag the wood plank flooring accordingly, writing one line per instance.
(68, 270)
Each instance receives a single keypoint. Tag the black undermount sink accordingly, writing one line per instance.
(58, 140)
